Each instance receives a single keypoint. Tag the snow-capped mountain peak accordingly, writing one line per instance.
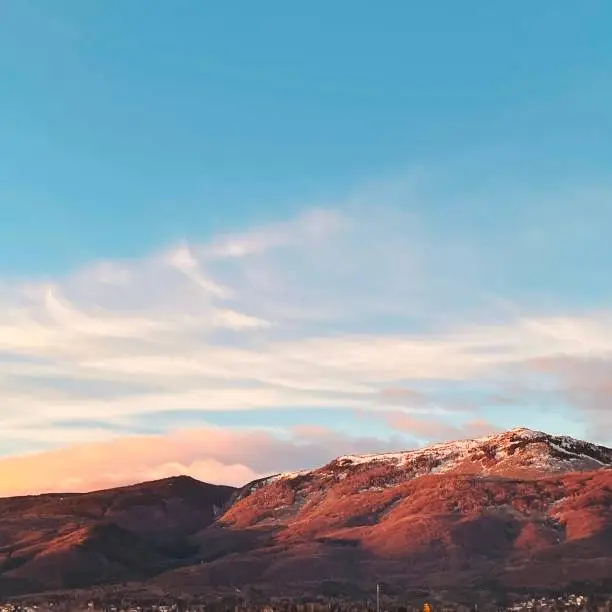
(517, 451)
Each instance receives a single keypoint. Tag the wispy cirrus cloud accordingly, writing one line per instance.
(359, 308)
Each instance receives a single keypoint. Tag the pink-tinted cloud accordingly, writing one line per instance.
(433, 429)
(403, 396)
(209, 454)
(583, 383)
(316, 432)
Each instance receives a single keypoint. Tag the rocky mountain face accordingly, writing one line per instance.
(520, 509)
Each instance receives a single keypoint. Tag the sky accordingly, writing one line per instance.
(243, 238)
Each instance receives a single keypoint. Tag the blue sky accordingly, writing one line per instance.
(203, 118)
(386, 187)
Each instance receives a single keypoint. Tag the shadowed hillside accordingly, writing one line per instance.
(66, 540)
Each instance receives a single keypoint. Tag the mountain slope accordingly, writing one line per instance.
(67, 540)
(84, 556)
(437, 530)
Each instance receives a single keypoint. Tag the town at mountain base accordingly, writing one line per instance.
(521, 511)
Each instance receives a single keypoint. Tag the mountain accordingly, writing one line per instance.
(521, 509)
(67, 540)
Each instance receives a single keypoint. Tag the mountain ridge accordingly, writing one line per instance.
(565, 449)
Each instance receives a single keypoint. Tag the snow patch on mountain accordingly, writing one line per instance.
(516, 449)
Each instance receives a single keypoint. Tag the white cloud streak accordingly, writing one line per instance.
(288, 316)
